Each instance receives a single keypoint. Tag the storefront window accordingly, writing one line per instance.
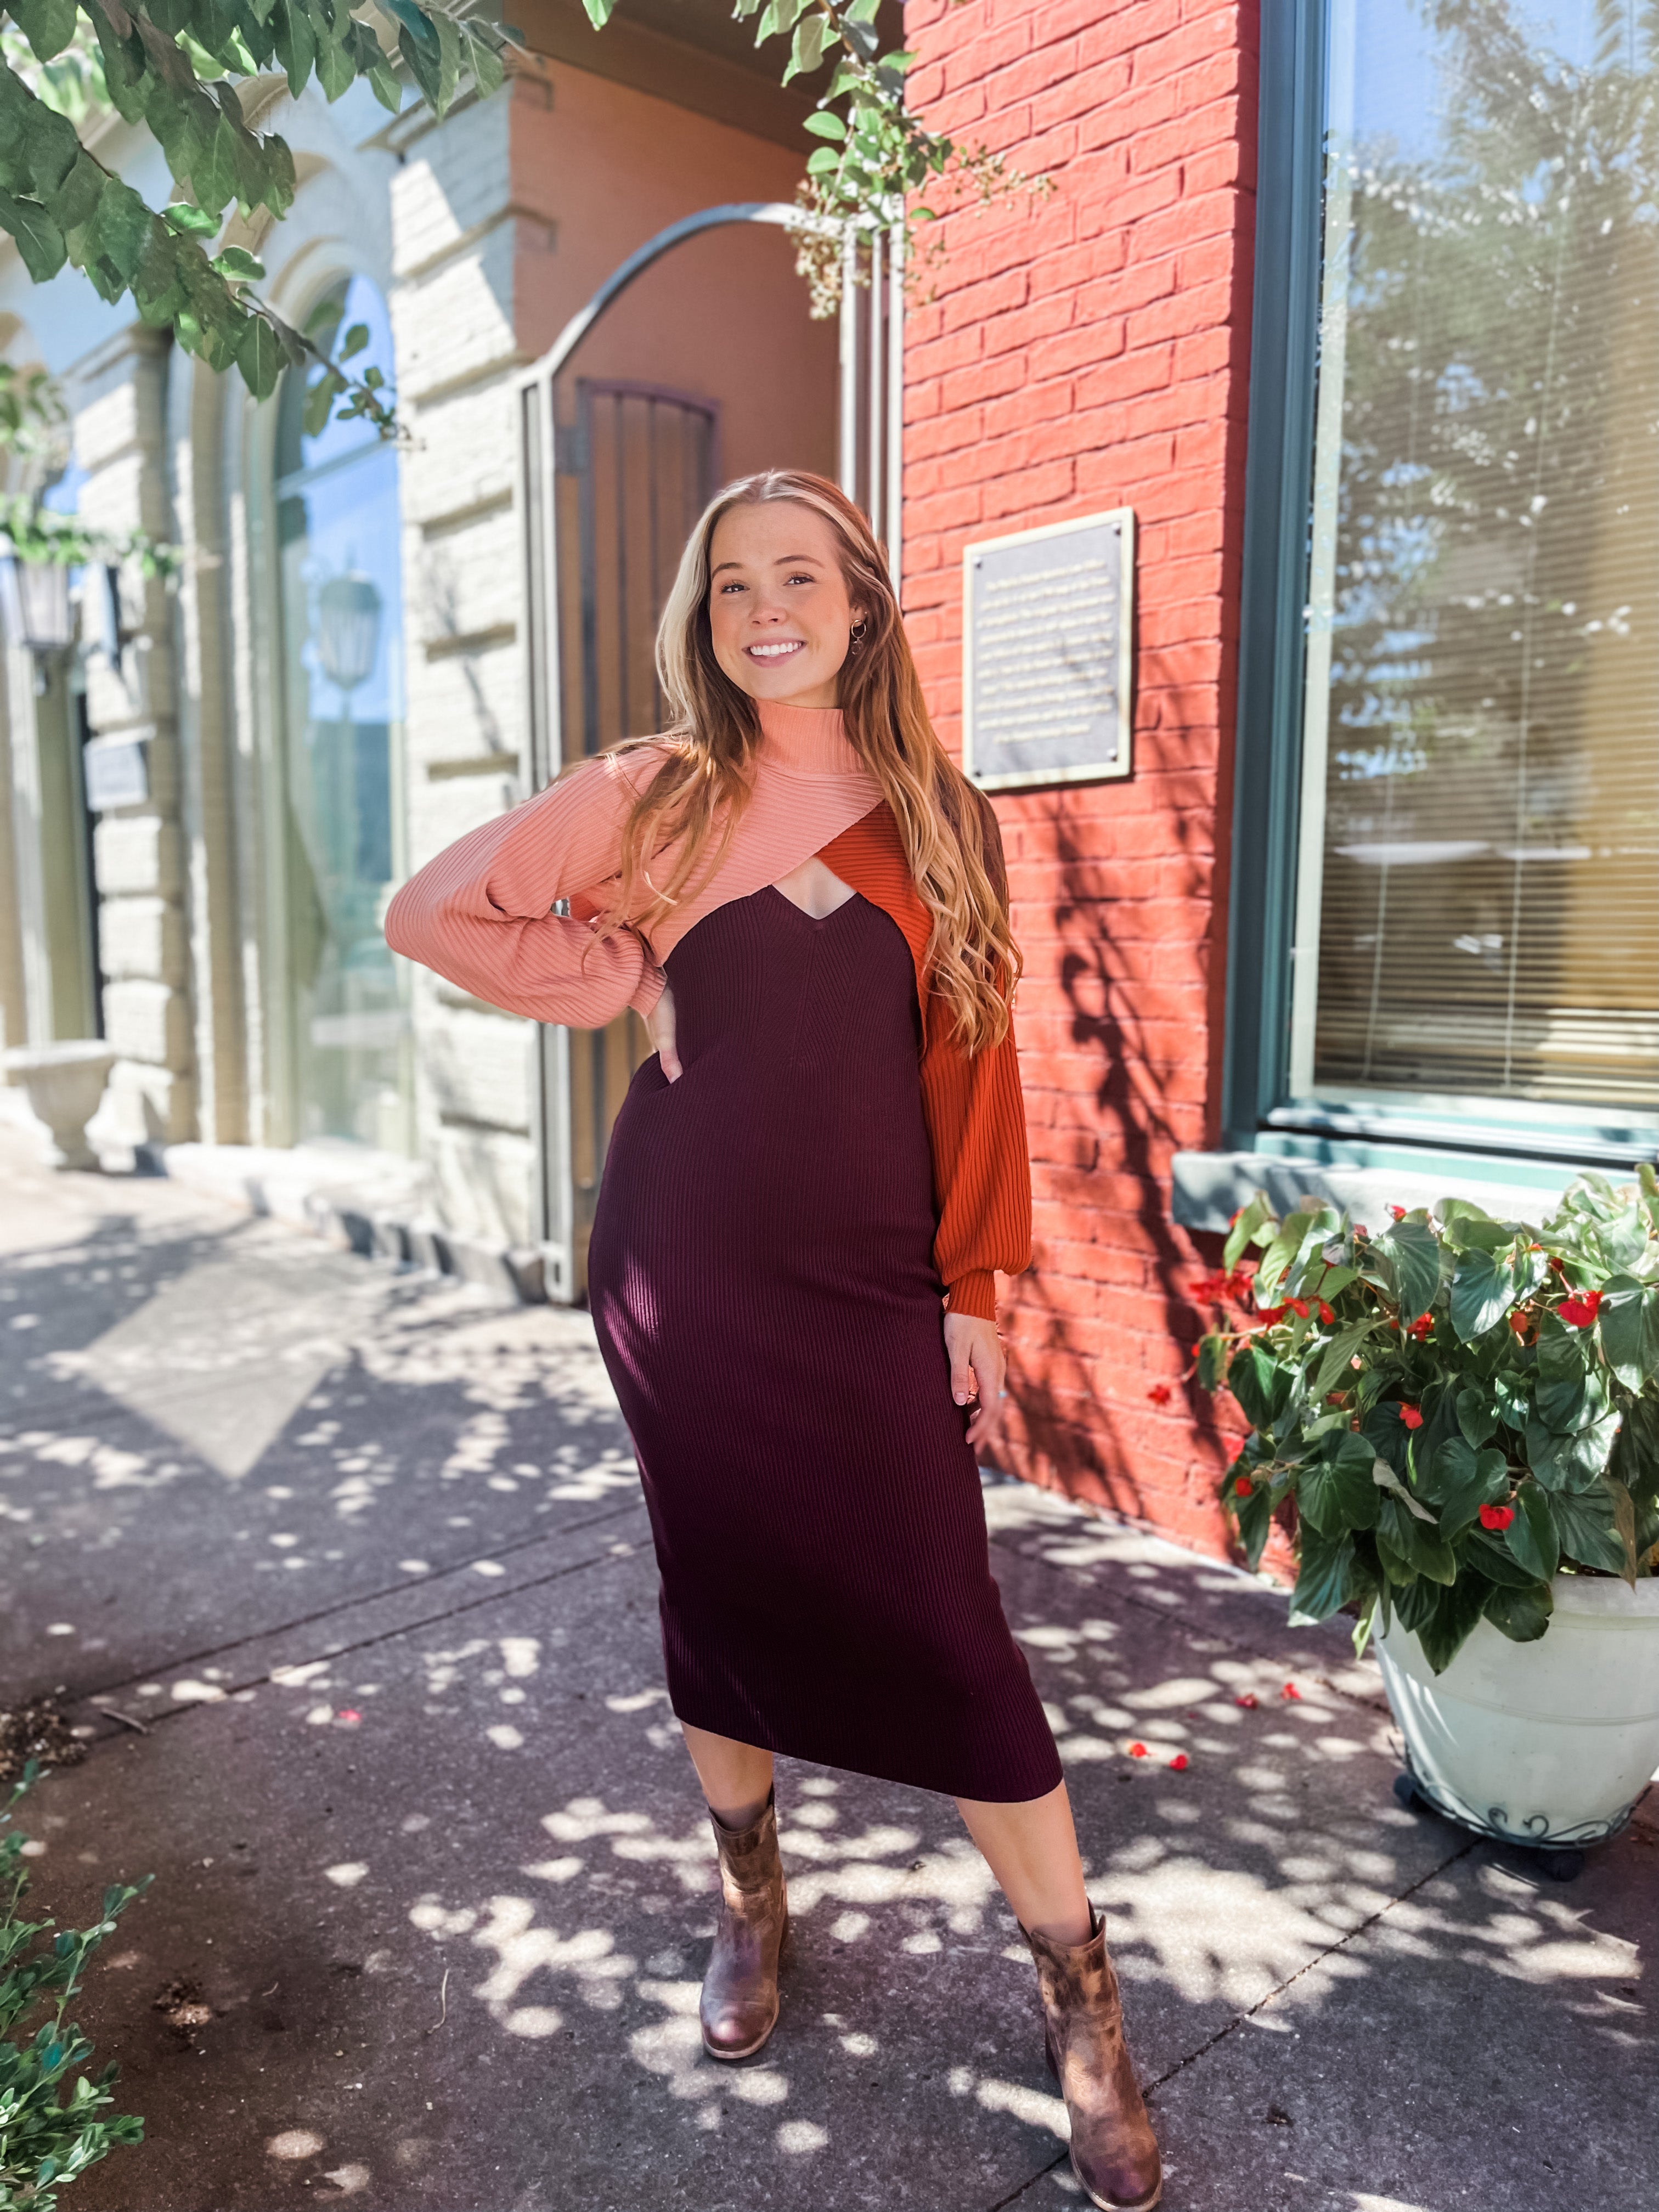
(342, 663)
(1477, 903)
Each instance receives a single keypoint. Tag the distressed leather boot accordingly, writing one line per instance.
(738, 2007)
(1113, 2151)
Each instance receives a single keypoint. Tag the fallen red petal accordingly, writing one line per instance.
(1159, 1394)
(1138, 1751)
(1291, 1691)
(348, 1715)
(1180, 1762)
(1250, 1701)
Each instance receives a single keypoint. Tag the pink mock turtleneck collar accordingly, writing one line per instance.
(806, 740)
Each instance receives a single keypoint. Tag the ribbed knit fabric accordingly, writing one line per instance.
(481, 914)
(761, 1278)
(973, 1103)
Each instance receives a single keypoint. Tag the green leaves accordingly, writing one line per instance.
(1451, 1618)
(48, 25)
(1563, 1463)
(1463, 1481)
(1531, 1536)
(1523, 1615)
(40, 242)
(1261, 1384)
(1323, 1583)
(259, 357)
(1336, 1493)
(807, 51)
(60, 204)
(1415, 1546)
(1588, 1525)
(1482, 1292)
(50, 2126)
(1242, 1233)
(238, 265)
(1628, 1322)
(1414, 1251)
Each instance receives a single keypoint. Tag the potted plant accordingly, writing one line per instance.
(1456, 1421)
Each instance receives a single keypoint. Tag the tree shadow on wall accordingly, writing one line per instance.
(1066, 1432)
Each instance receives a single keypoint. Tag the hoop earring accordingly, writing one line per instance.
(855, 640)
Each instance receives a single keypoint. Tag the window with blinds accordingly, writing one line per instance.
(1478, 881)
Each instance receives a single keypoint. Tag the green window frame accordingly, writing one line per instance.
(1258, 1114)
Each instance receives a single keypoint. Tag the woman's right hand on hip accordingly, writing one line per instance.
(659, 1028)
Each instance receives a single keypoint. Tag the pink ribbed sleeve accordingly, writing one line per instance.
(481, 913)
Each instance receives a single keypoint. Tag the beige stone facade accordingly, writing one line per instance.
(482, 236)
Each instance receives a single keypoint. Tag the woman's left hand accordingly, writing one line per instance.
(978, 1365)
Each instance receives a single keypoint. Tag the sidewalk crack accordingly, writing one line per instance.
(370, 1597)
(1231, 2026)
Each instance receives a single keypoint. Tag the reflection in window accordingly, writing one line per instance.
(342, 622)
(1478, 903)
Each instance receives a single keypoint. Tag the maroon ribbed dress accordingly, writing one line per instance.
(761, 1278)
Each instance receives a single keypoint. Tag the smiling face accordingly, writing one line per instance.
(779, 612)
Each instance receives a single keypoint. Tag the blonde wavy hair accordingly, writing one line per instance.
(682, 820)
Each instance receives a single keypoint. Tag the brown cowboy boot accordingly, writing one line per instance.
(738, 2007)
(1113, 2151)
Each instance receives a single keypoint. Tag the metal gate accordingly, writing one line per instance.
(607, 496)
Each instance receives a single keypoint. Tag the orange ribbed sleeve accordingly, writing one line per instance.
(972, 1102)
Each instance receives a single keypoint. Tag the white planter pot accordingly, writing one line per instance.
(64, 1083)
(1547, 1743)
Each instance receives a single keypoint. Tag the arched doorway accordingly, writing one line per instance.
(690, 365)
(340, 589)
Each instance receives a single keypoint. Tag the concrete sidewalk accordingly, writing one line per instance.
(348, 1572)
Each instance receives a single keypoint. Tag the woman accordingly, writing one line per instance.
(805, 1197)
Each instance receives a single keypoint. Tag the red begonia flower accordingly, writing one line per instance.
(1398, 1212)
(1422, 1327)
(1360, 1229)
(1179, 1762)
(1159, 1394)
(1250, 1701)
(1497, 1516)
(1291, 1691)
(1518, 1322)
(1412, 1415)
(1580, 1312)
(1138, 1751)
(1271, 1314)
(1242, 1486)
(1298, 1306)
(1326, 1315)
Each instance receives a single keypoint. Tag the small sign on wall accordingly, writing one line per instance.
(117, 771)
(1047, 623)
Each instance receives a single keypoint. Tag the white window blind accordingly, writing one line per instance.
(1478, 887)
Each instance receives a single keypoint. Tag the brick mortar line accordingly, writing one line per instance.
(1231, 2026)
(369, 1597)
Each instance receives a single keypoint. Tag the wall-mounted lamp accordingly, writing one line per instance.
(36, 595)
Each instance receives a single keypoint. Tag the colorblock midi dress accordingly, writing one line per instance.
(765, 1282)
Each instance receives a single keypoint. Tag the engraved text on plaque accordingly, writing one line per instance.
(1047, 628)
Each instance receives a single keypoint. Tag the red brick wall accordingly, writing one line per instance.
(1086, 351)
